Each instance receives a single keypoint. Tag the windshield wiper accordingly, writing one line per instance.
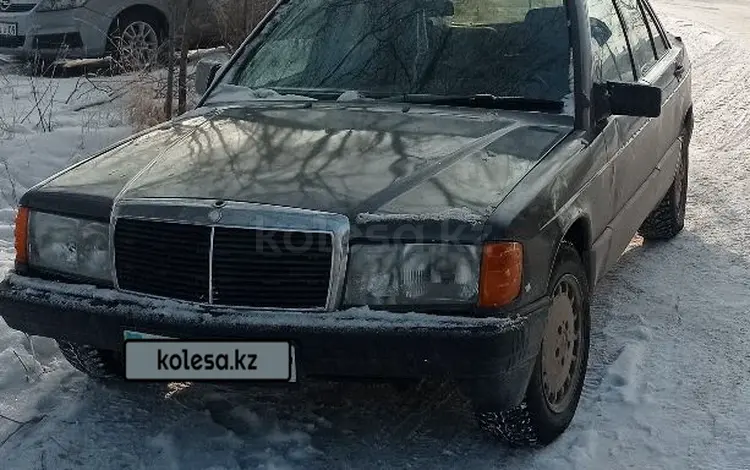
(483, 101)
(317, 93)
(479, 100)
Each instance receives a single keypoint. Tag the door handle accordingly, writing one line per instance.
(679, 70)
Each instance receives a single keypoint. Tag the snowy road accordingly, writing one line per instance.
(668, 386)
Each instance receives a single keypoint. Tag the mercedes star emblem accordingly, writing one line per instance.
(214, 215)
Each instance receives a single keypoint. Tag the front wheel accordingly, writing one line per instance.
(556, 382)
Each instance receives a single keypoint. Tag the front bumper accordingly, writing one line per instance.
(68, 34)
(357, 343)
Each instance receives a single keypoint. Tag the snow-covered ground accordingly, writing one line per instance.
(668, 386)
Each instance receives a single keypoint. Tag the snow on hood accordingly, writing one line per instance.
(225, 93)
(460, 214)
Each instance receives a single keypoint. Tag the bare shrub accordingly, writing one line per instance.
(147, 98)
(43, 100)
(237, 18)
(9, 113)
(144, 106)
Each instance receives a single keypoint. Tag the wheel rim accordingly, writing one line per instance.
(680, 188)
(562, 346)
(138, 44)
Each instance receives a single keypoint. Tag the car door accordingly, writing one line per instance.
(647, 143)
(647, 138)
(629, 46)
(610, 62)
(634, 162)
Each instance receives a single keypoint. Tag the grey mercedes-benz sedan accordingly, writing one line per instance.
(129, 30)
(388, 190)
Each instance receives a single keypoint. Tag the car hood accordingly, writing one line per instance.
(349, 159)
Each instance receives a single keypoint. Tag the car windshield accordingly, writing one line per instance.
(392, 48)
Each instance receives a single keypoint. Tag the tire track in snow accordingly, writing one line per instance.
(720, 199)
(721, 99)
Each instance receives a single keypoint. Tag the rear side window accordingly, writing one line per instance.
(609, 46)
(660, 43)
(638, 35)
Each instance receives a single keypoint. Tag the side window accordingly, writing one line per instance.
(660, 44)
(638, 35)
(609, 46)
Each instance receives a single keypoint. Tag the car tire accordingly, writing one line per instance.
(554, 389)
(129, 30)
(668, 217)
(98, 364)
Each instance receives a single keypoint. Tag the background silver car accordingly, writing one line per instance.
(75, 29)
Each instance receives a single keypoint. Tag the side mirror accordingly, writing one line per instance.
(626, 99)
(205, 72)
(600, 31)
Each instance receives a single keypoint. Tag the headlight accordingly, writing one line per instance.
(413, 274)
(70, 246)
(54, 5)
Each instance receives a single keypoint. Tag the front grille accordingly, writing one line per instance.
(12, 41)
(271, 269)
(168, 260)
(248, 267)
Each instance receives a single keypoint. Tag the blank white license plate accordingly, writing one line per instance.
(150, 357)
(8, 29)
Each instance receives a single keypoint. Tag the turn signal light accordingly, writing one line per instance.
(21, 234)
(500, 277)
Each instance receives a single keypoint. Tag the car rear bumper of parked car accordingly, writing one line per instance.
(355, 343)
(67, 34)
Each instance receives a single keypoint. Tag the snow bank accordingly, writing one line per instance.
(457, 214)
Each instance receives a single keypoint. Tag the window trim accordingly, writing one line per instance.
(662, 31)
(642, 4)
(636, 76)
(648, 28)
